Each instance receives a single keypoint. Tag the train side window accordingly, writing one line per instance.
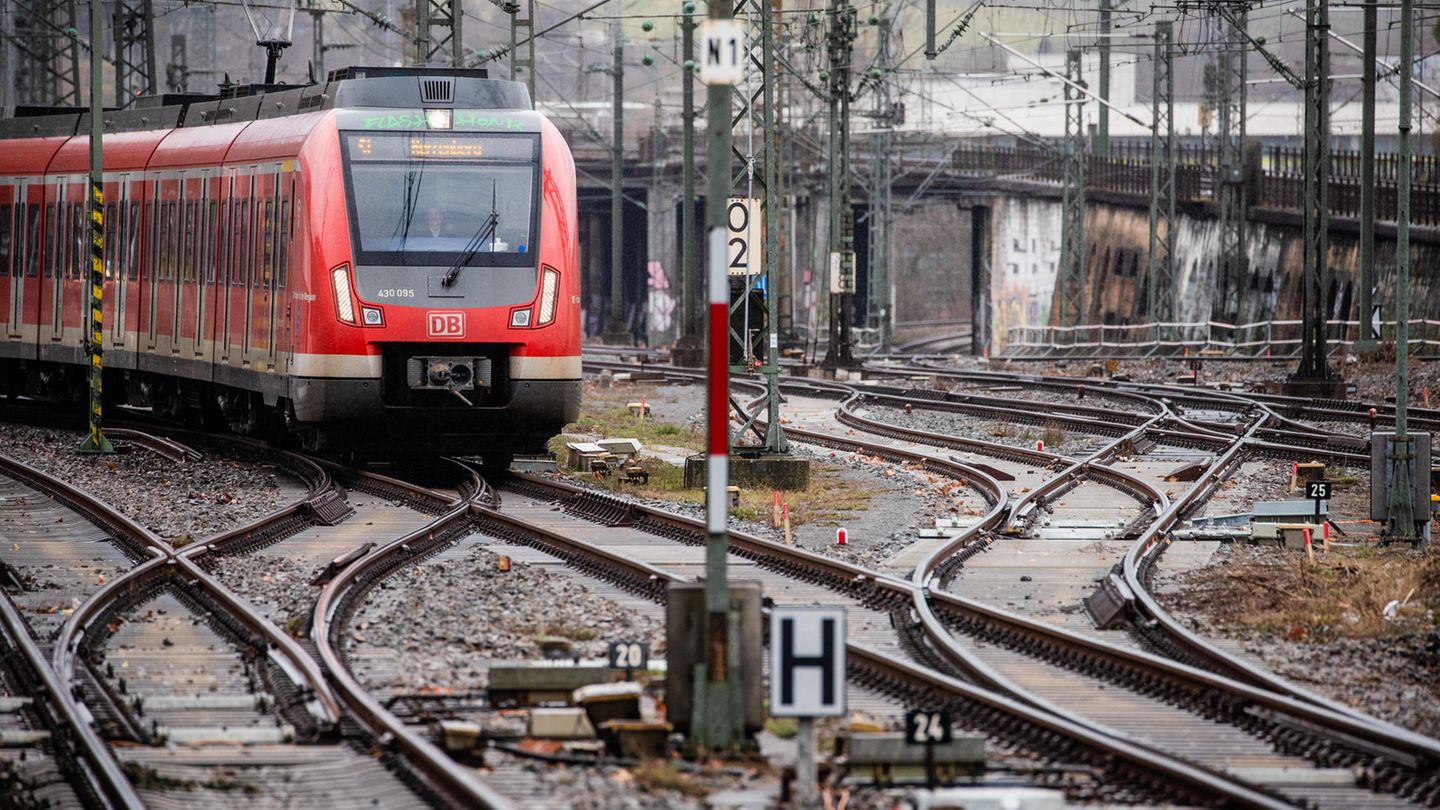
(267, 266)
(6, 212)
(118, 242)
(79, 244)
(286, 227)
(108, 235)
(210, 225)
(175, 221)
(222, 256)
(65, 243)
(242, 255)
(132, 240)
(32, 242)
(50, 240)
(168, 235)
(190, 255)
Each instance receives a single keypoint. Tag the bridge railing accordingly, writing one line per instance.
(1277, 176)
(1258, 339)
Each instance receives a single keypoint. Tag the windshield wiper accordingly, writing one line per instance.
(484, 234)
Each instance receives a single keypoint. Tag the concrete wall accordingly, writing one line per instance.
(930, 262)
(1026, 249)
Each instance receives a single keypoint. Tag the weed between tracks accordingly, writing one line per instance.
(1343, 594)
(830, 500)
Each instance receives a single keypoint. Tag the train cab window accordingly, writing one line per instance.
(6, 212)
(50, 240)
(32, 241)
(426, 199)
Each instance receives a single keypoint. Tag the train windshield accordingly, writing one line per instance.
(425, 198)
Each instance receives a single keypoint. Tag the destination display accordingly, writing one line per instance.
(424, 146)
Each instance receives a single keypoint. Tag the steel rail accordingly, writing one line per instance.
(77, 737)
(1349, 724)
(455, 781)
(1204, 781)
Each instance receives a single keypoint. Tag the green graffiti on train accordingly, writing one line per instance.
(463, 118)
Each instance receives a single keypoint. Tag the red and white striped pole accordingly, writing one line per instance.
(717, 720)
(717, 470)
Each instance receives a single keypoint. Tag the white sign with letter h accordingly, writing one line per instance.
(807, 662)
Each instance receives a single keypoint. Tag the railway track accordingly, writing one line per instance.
(1329, 729)
(165, 652)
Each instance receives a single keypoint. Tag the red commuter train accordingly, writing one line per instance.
(386, 263)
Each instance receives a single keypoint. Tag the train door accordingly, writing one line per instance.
(223, 255)
(117, 254)
(150, 277)
(240, 273)
(12, 255)
(53, 289)
(171, 233)
(263, 339)
(187, 278)
(184, 263)
(261, 216)
(280, 321)
(28, 322)
(204, 267)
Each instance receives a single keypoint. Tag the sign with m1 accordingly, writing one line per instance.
(807, 662)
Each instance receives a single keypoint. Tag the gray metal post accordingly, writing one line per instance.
(1102, 124)
(774, 434)
(95, 441)
(807, 794)
(317, 22)
(422, 31)
(1230, 164)
(1364, 342)
(1402, 514)
(457, 27)
(690, 287)
(1314, 364)
(840, 37)
(1072, 214)
(134, 34)
(879, 315)
(177, 70)
(615, 331)
(930, 52)
(519, 64)
(1161, 303)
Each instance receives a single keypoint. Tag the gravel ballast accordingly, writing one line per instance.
(448, 617)
(184, 501)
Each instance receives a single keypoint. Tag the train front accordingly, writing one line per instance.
(454, 277)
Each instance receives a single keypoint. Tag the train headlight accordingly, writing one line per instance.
(371, 316)
(549, 292)
(519, 318)
(340, 281)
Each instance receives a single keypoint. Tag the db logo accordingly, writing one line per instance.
(445, 324)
